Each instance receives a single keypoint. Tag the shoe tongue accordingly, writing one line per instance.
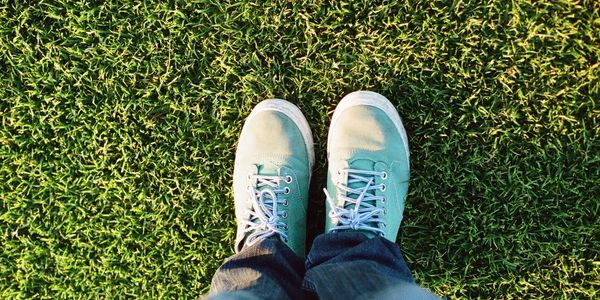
(265, 170)
(269, 170)
(365, 165)
(360, 164)
(262, 170)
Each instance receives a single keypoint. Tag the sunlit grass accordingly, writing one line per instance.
(118, 124)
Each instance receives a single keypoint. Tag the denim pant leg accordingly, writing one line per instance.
(348, 265)
(266, 270)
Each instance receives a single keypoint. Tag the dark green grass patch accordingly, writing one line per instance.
(118, 124)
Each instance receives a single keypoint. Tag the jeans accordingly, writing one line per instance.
(345, 265)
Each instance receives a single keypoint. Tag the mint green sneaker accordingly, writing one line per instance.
(367, 178)
(273, 165)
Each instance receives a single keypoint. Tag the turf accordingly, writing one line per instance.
(119, 122)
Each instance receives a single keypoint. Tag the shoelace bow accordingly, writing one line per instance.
(265, 216)
(364, 215)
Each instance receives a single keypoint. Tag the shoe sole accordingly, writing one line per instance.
(291, 111)
(370, 99)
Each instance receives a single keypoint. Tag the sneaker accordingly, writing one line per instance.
(367, 178)
(271, 176)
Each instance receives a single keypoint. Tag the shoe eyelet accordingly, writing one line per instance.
(383, 200)
(339, 172)
(249, 177)
(288, 179)
(384, 175)
(286, 190)
(285, 203)
(285, 214)
(383, 188)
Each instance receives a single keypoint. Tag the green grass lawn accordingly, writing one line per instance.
(119, 121)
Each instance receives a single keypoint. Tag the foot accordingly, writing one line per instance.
(273, 164)
(367, 178)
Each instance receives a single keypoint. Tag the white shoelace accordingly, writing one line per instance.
(265, 218)
(364, 215)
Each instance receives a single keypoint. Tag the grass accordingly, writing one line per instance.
(119, 122)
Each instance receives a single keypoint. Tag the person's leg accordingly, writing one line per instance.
(350, 265)
(367, 184)
(271, 177)
(268, 269)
